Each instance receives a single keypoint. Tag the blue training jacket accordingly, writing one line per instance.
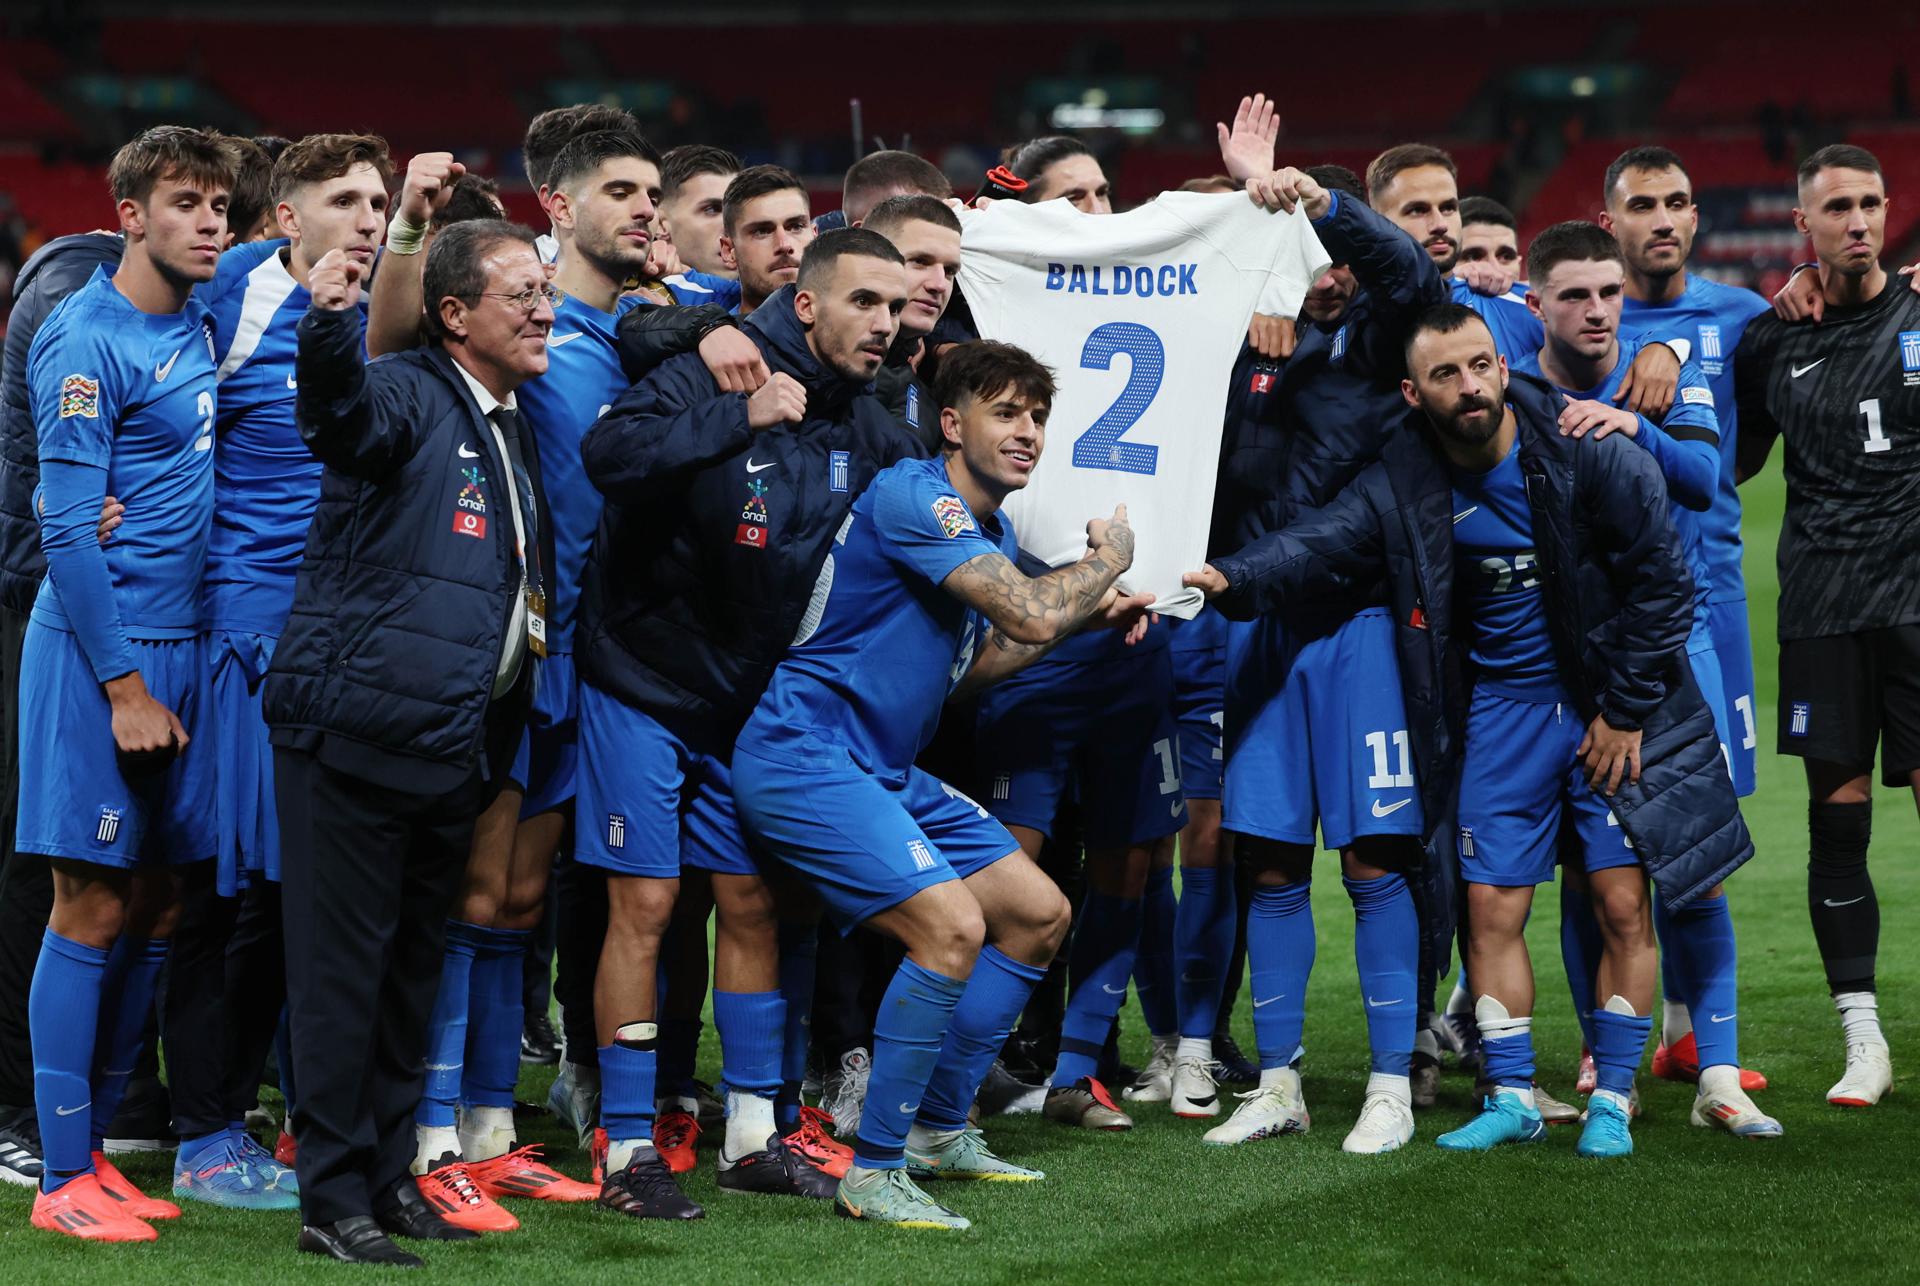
(1619, 604)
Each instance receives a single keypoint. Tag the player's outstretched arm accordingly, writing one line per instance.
(351, 423)
(1042, 610)
(395, 311)
(1322, 551)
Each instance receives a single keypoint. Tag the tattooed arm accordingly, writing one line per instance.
(999, 656)
(1042, 610)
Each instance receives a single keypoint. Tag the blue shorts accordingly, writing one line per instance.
(73, 801)
(243, 807)
(1707, 677)
(549, 756)
(863, 843)
(1519, 774)
(1102, 732)
(1733, 647)
(1318, 733)
(1199, 650)
(647, 801)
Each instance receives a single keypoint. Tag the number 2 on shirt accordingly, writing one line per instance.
(1100, 446)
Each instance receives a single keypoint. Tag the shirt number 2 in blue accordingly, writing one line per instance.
(1100, 446)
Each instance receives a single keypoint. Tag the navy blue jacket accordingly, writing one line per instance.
(1296, 438)
(386, 667)
(1618, 600)
(714, 533)
(55, 271)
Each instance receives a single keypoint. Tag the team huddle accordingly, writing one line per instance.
(398, 587)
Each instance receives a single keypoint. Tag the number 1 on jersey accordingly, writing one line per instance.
(1876, 436)
(1100, 446)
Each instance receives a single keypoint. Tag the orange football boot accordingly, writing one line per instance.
(1680, 1061)
(812, 1144)
(455, 1197)
(121, 1189)
(674, 1136)
(285, 1149)
(521, 1173)
(81, 1208)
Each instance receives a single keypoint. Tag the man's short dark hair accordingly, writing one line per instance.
(689, 161)
(1442, 319)
(319, 157)
(552, 129)
(272, 144)
(897, 211)
(1031, 159)
(827, 249)
(1575, 241)
(756, 181)
(1649, 159)
(1337, 178)
(1211, 183)
(984, 368)
(176, 152)
(1839, 156)
(474, 196)
(1395, 161)
(1484, 209)
(585, 153)
(882, 173)
(252, 194)
(455, 262)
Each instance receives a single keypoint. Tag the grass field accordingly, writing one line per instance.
(1834, 1201)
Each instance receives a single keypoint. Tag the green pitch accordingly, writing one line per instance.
(1834, 1201)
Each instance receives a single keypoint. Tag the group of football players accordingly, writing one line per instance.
(1476, 610)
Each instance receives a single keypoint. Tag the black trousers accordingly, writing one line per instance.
(26, 883)
(256, 994)
(368, 877)
(580, 905)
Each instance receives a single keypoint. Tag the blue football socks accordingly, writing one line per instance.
(907, 1034)
(447, 1028)
(752, 1025)
(626, 1083)
(1280, 950)
(1153, 982)
(63, 1013)
(1105, 942)
(126, 998)
(1699, 943)
(990, 1006)
(1386, 947)
(799, 961)
(1581, 947)
(1619, 1040)
(1203, 937)
(496, 1016)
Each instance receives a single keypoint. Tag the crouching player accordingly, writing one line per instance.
(918, 600)
(1545, 567)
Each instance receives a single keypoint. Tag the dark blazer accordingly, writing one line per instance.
(386, 668)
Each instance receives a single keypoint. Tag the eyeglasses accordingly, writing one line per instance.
(529, 299)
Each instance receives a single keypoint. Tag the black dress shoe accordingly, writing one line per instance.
(356, 1239)
(405, 1213)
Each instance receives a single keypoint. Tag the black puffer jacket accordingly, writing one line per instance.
(386, 668)
(1618, 599)
(714, 533)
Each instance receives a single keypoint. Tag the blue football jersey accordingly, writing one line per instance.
(266, 483)
(1498, 572)
(133, 393)
(1515, 329)
(1714, 316)
(1693, 407)
(583, 378)
(877, 657)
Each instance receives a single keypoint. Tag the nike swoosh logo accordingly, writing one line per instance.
(1390, 808)
(1113, 991)
(69, 1111)
(1208, 1101)
(1848, 902)
(1262, 1004)
(554, 341)
(1381, 1004)
(909, 1108)
(1798, 371)
(292, 383)
(1464, 512)
(160, 373)
(468, 453)
(756, 468)
(1722, 1018)
(1173, 809)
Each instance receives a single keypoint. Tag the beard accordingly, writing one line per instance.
(1455, 425)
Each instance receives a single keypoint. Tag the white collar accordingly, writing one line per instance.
(488, 402)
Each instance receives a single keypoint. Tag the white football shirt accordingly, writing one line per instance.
(1140, 315)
